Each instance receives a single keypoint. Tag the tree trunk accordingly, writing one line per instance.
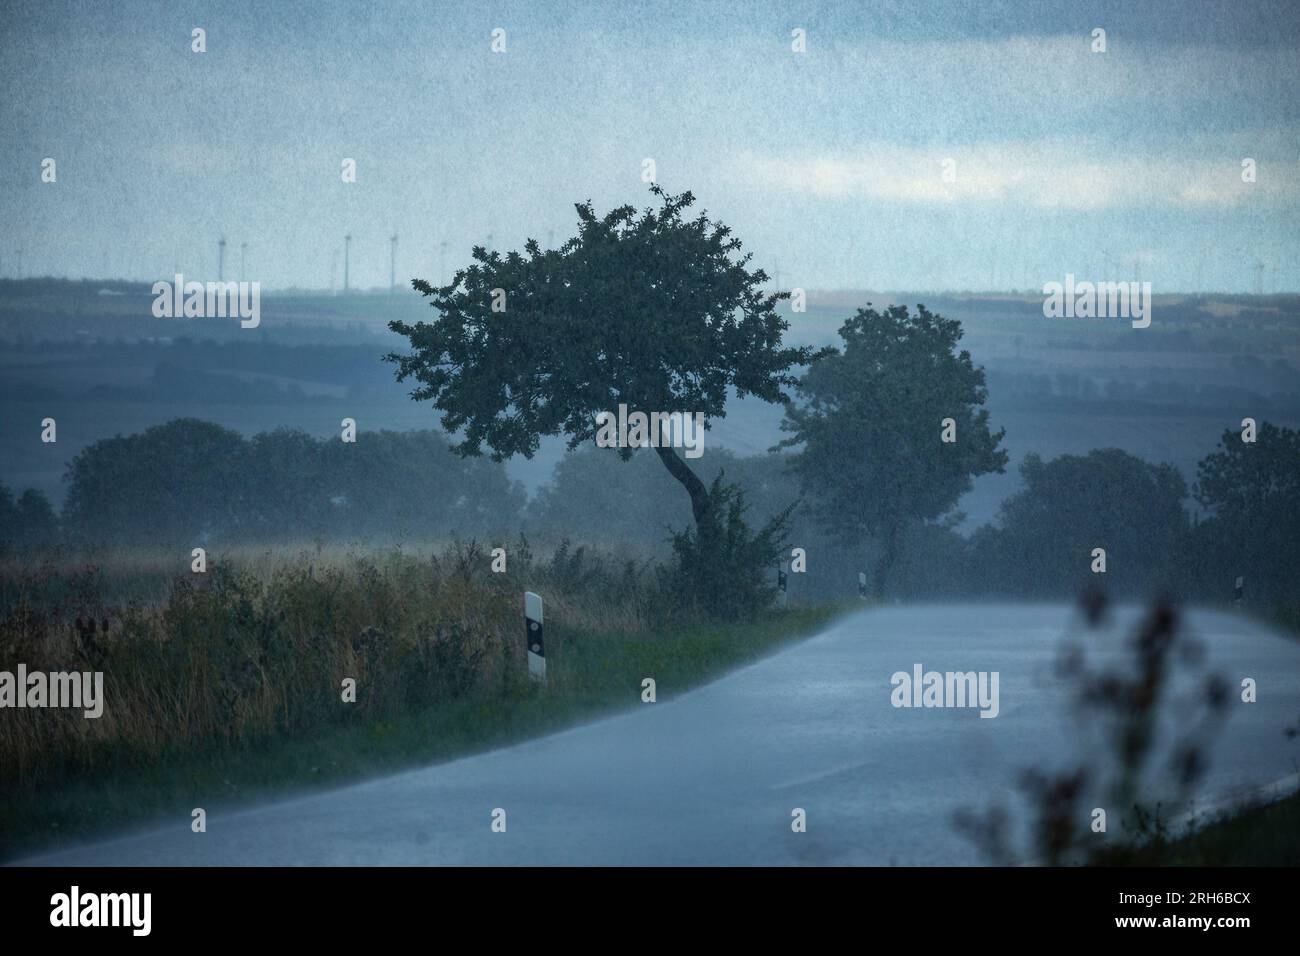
(700, 503)
(891, 551)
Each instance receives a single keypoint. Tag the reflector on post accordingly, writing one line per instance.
(533, 634)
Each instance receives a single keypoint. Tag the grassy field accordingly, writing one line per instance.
(227, 691)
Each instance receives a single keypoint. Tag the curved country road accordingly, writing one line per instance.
(712, 776)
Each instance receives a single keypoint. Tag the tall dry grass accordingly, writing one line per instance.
(260, 644)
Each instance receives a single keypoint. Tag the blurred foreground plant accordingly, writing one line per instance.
(1127, 700)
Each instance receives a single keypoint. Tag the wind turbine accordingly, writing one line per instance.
(221, 259)
(392, 263)
(442, 260)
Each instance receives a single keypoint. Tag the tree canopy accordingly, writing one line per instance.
(869, 427)
(656, 310)
(1107, 499)
(1252, 491)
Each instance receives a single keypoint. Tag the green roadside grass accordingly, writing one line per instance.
(1265, 835)
(590, 675)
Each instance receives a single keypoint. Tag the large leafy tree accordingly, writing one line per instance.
(1255, 484)
(1072, 504)
(868, 428)
(172, 483)
(1252, 491)
(657, 310)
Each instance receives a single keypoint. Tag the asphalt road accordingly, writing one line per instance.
(712, 776)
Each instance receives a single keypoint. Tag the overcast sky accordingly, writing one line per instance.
(827, 164)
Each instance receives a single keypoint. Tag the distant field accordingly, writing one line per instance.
(107, 367)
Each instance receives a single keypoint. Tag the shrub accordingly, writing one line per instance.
(723, 569)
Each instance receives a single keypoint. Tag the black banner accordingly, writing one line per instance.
(335, 906)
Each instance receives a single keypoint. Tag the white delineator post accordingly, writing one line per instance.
(533, 632)
(862, 584)
(1238, 592)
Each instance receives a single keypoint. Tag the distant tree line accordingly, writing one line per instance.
(191, 482)
(27, 524)
(1141, 513)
